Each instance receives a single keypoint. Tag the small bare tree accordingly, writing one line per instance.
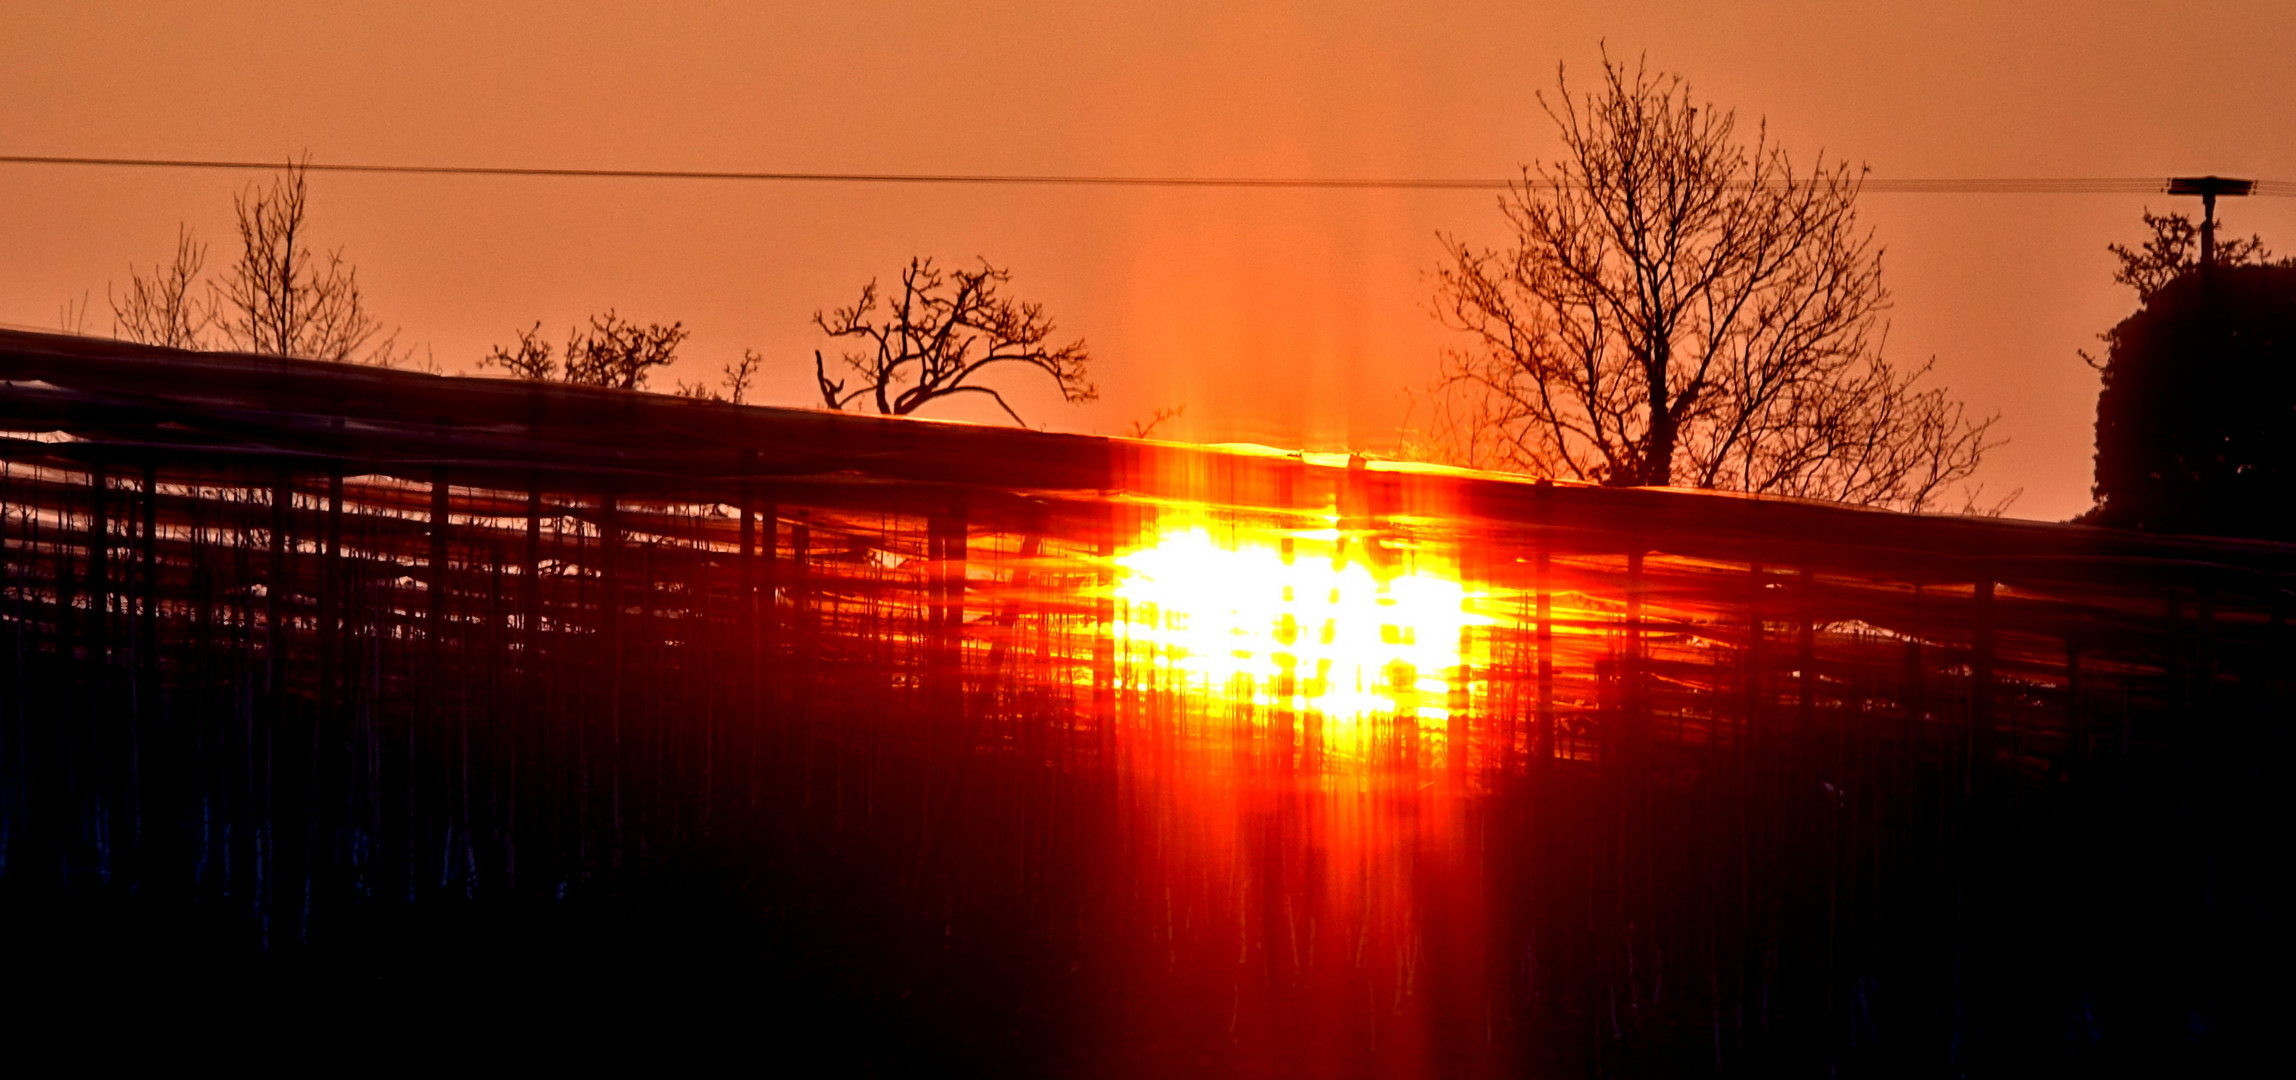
(740, 377)
(72, 315)
(1142, 429)
(283, 296)
(530, 359)
(612, 351)
(938, 336)
(734, 381)
(616, 352)
(168, 306)
(1681, 306)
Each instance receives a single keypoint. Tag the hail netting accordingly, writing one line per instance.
(1146, 746)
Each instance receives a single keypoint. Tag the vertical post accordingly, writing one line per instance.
(745, 594)
(324, 771)
(2207, 231)
(993, 679)
(1104, 641)
(148, 643)
(1283, 718)
(65, 611)
(2173, 672)
(107, 788)
(532, 737)
(646, 688)
(147, 636)
(1544, 569)
(2203, 761)
(610, 609)
(47, 757)
(436, 615)
(1636, 688)
(1457, 734)
(1753, 729)
(99, 585)
(426, 737)
(499, 767)
(2076, 716)
(330, 596)
(768, 601)
(2205, 693)
(283, 809)
(2208, 188)
(801, 623)
(1806, 657)
(765, 644)
(1756, 836)
(1980, 685)
(1914, 699)
(949, 637)
(745, 651)
(530, 578)
(276, 589)
(935, 552)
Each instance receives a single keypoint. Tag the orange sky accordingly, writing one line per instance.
(1285, 317)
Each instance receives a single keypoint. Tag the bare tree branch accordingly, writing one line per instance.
(162, 308)
(1142, 429)
(72, 314)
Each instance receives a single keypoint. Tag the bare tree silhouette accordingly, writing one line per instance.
(72, 314)
(165, 307)
(938, 336)
(280, 297)
(611, 351)
(530, 359)
(283, 297)
(619, 353)
(734, 381)
(1142, 429)
(1681, 306)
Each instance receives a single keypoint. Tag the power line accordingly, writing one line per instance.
(787, 177)
(1994, 186)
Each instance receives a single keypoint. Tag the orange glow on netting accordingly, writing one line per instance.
(1316, 624)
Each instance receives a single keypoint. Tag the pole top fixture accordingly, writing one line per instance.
(2209, 186)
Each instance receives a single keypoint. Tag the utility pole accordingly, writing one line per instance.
(2208, 188)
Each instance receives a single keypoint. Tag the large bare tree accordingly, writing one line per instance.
(287, 297)
(283, 296)
(939, 336)
(1681, 306)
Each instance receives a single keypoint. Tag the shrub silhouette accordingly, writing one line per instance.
(2199, 403)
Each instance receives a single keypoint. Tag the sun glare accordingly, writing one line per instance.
(1316, 623)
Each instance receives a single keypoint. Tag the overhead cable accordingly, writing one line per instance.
(1873, 185)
